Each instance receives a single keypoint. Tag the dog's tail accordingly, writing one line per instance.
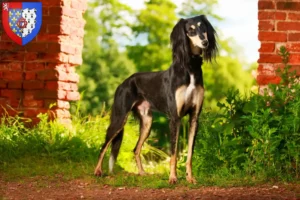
(115, 148)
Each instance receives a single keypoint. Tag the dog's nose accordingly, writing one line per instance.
(205, 43)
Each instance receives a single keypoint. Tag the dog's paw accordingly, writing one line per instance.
(98, 172)
(191, 180)
(173, 180)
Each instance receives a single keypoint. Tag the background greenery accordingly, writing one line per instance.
(244, 137)
(119, 41)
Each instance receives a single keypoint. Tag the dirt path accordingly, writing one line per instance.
(41, 188)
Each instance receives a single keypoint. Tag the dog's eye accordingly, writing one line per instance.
(191, 31)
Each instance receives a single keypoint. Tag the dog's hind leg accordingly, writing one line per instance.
(145, 117)
(115, 148)
(113, 131)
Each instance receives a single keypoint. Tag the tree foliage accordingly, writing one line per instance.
(153, 28)
(104, 65)
(120, 41)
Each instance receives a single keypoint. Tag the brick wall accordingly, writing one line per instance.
(43, 72)
(279, 25)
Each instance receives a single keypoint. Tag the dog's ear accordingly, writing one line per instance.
(212, 49)
(179, 43)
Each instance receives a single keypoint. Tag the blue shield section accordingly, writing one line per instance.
(37, 7)
(14, 16)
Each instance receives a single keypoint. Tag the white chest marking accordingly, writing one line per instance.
(187, 96)
(190, 89)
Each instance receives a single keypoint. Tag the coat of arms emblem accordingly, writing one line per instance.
(22, 20)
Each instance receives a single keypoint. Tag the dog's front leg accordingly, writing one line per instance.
(174, 129)
(191, 143)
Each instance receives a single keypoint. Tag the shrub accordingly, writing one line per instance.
(256, 134)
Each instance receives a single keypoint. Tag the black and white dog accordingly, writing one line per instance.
(175, 92)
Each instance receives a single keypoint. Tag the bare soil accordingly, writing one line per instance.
(56, 188)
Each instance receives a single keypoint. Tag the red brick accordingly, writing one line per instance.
(65, 20)
(51, 94)
(280, 15)
(13, 94)
(272, 36)
(3, 84)
(53, 29)
(67, 48)
(266, 25)
(75, 59)
(52, 19)
(36, 47)
(293, 36)
(33, 112)
(266, 15)
(264, 80)
(52, 3)
(31, 56)
(70, 12)
(269, 58)
(79, 5)
(4, 66)
(294, 59)
(14, 103)
(57, 104)
(33, 84)
(10, 75)
(4, 37)
(30, 75)
(55, 11)
(15, 84)
(13, 56)
(78, 23)
(50, 74)
(57, 85)
(73, 86)
(294, 16)
(267, 47)
(293, 47)
(73, 96)
(5, 45)
(11, 66)
(73, 77)
(34, 66)
(263, 5)
(291, 26)
(16, 66)
(65, 29)
(54, 48)
(3, 102)
(47, 37)
(62, 113)
(284, 5)
(33, 103)
(53, 57)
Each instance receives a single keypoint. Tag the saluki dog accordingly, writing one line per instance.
(176, 92)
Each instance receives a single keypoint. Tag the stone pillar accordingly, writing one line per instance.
(42, 72)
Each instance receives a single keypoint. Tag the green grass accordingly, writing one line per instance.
(251, 140)
(27, 167)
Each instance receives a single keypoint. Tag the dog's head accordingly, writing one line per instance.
(193, 36)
